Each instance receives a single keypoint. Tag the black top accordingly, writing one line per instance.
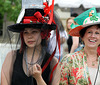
(69, 43)
(20, 78)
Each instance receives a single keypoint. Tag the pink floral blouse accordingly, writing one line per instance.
(74, 70)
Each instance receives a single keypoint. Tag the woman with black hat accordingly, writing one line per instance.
(83, 67)
(31, 64)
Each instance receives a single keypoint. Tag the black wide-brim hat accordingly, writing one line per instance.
(32, 18)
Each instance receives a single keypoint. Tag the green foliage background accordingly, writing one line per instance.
(11, 7)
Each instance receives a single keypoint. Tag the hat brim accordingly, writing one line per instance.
(20, 26)
(76, 30)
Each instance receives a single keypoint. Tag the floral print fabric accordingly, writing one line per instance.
(74, 70)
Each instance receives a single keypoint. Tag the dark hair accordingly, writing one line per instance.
(58, 21)
(74, 15)
(82, 32)
(44, 42)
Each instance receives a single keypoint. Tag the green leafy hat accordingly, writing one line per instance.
(87, 18)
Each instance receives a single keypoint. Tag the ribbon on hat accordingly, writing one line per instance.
(52, 55)
(39, 17)
(34, 19)
(47, 10)
(29, 19)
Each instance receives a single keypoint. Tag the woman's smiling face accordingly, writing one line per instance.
(91, 37)
(32, 37)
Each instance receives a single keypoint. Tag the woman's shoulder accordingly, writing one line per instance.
(9, 61)
(53, 62)
(54, 59)
(10, 53)
(71, 56)
(10, 56)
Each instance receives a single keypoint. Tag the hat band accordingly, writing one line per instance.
(37, 18)
(27, 20)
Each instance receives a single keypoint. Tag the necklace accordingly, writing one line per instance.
(93, 62)
(31, 63)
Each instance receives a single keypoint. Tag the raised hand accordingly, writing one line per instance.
(35, 71)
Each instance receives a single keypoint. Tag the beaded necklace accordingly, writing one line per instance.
(31, 63)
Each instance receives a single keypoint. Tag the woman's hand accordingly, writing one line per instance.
(35, 71)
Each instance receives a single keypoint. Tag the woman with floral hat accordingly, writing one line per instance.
(82, 67)
(31, 64)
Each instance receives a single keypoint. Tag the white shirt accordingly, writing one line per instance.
(52, 42)
(93, 72)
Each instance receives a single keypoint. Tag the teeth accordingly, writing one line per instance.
(92, 41)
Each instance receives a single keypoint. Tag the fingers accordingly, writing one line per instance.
(38, 67)
(35, 70)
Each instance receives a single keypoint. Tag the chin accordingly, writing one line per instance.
(31, 46)
(92, 46)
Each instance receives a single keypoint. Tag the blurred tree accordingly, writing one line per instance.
(1, 13)
(11, 7)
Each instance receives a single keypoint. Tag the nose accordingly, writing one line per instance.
(29, 35)
(93, 35)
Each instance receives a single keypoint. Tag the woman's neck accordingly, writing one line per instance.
(33, 51)
(90, 52)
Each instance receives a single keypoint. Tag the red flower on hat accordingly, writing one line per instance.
(45, 34)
